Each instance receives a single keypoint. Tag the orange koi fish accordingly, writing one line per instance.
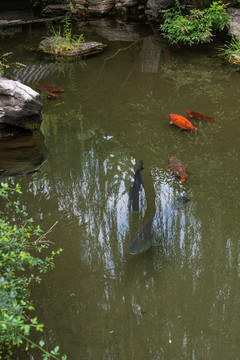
(49, 87)
(182, 122)
(178, 168)
(51, 95)
(199, 115)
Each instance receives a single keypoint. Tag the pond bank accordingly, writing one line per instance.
(127, 10)
(23, 17)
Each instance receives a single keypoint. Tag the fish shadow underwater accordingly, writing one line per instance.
(137, 195)
(159, 225)
(156, 228)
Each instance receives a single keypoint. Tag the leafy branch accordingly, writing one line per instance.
(19, 241)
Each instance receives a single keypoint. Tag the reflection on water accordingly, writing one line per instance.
(20, 154)
(180, 299)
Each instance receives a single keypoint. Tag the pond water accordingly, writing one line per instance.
(180, 299)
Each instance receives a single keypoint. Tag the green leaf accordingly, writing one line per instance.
(41, 342)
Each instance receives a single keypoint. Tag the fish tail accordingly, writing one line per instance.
(194, 129)
(189, 113)
(213, 119)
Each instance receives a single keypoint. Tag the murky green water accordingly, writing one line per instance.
(179, 300)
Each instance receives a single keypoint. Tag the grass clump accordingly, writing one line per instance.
(231, 51)
(63, 39)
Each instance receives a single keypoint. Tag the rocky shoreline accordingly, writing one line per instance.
(141, 10)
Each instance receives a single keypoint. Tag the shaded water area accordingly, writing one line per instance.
(180, 299)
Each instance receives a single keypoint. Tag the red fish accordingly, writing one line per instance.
(178, 168)
(182, 122)
(199, 115)
(49, 87)
(51, 95)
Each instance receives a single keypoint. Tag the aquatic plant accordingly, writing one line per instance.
(194, 26)
(5, 64)
(63, 40)
(10, 31)
(20, 241)
(231, 50)
(192, 73)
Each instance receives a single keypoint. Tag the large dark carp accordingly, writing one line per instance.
(153, 228)
(137, 198)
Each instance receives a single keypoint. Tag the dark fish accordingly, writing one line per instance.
(137, 197)
(153, 229)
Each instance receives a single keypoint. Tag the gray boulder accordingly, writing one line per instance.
(154, 7)
(95, 6)
(18, 101)
(56, 10)
(126, 3)
(234, 28)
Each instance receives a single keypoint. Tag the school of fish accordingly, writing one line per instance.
(153, 229)
(137, 199)
(50, 90)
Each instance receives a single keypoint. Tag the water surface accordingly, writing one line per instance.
(179, 300)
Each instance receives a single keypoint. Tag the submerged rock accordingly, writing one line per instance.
(52, 47)
(25, 122)
(20, 153)
(19, 104)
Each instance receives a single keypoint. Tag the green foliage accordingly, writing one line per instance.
(216, 16)
(20, 243)
(67, 28)
(188, 29)
(194, 26)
